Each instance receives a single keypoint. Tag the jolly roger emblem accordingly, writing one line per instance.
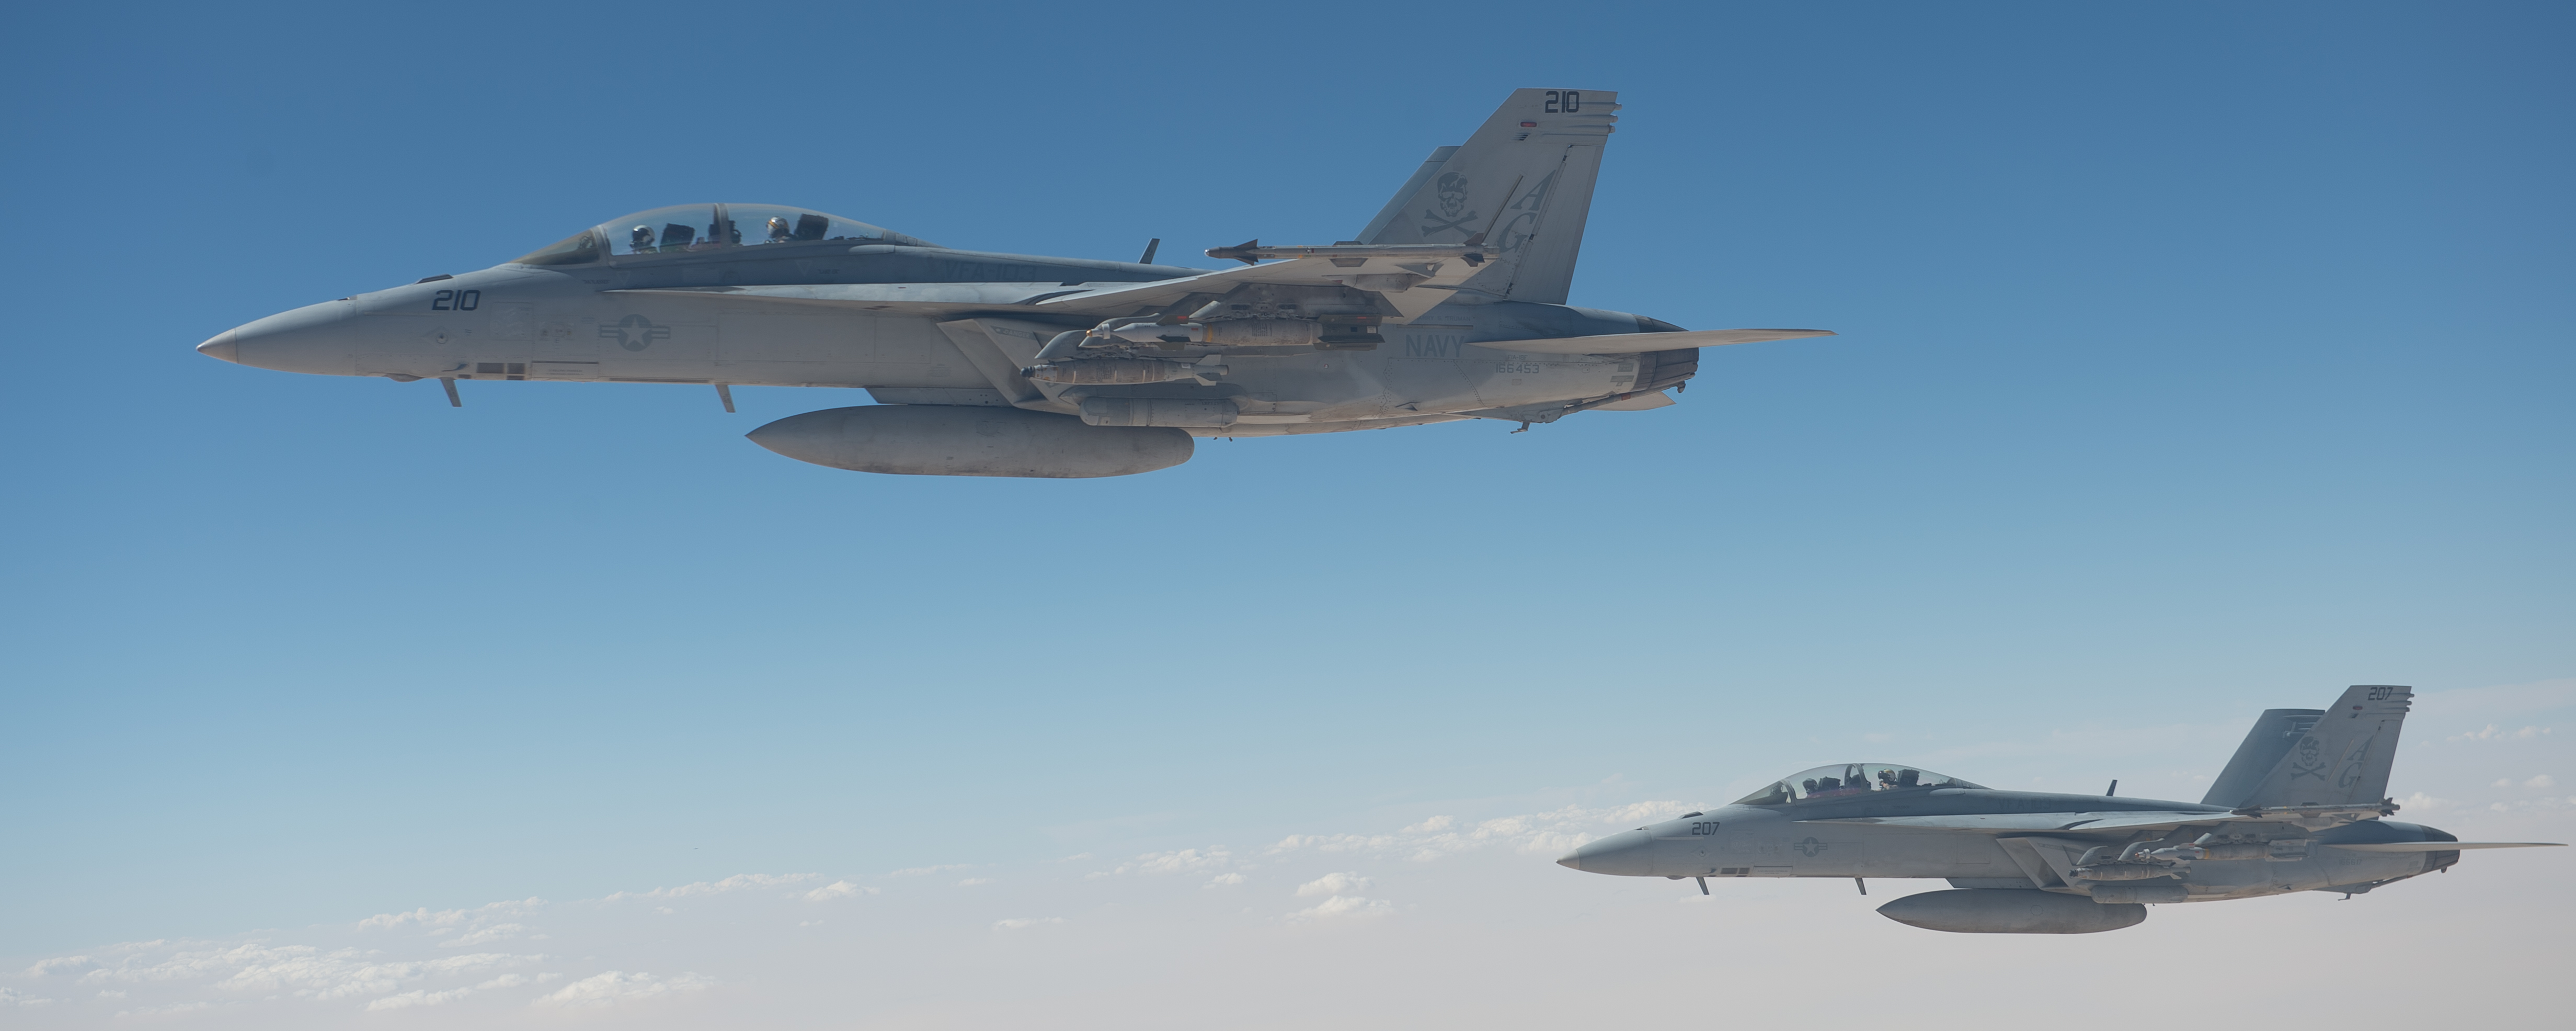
(2309, 760)
(1452, 212)
(634, 332)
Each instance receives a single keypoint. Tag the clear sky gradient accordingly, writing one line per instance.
(2194, 359)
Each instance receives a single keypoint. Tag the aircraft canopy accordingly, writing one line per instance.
(702, 228)
(1851, 780)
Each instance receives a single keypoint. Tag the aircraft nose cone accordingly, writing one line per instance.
(226, 346)
(1627, 854)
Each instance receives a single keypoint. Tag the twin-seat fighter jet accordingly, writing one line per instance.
(1449, 305)
(2299, 808)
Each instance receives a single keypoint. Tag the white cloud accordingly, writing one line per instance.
(488, 935)
(454, 917)
(409, 999)
(61, 965)
(837, 890)
(1335, 842)
(1184, 861)
(1188, 860)
(973, 881)
(180, 1007)
(2420, 802)
(301, 971)
(515, 980)
(736, 882)
(2539, 782)
(1017, 923)
(2493, 733)
(1227, 878)
(1343, 907)
(1550, 832)
(1333, 884)
(617, 986)
(14, 997)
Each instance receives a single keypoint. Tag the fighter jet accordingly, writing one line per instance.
(2300, 807)
(1448, 305)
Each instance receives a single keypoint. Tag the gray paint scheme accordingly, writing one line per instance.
(1415, 325)
(2303, 811)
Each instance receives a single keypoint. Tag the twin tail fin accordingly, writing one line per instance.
(2339, 756)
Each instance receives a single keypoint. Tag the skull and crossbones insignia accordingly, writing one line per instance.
(2310, 760)
(1452, 212)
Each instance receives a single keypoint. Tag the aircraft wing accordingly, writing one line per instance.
(2079, 822)
(1413, 279)
(2446, 846)
(1631, 343)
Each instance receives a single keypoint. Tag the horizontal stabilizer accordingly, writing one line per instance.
(2447, 846)
(1639, 403)
(1632, 343)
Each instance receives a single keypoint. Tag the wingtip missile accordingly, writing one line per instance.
(1240, 252)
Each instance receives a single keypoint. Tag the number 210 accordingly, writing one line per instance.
(456, 300)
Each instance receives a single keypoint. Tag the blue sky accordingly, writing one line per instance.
(2195, 359)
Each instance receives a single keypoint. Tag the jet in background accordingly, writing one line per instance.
(2300, 807)
(1449, 305)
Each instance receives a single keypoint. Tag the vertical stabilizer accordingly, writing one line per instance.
(1524, 180)
(1395, 206)
(2345, 758)
(2263, 748)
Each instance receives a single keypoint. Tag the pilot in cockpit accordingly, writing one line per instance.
(780, 231)
(640, 239)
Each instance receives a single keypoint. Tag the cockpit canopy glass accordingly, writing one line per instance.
(707, 227)
(702, 228)
(1851, 780)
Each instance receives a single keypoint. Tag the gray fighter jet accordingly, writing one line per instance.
(2299, 808)
(1449, 305)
